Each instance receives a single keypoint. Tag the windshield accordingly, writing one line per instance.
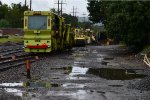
(37, 22)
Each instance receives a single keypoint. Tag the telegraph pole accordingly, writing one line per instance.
(62, 6)
(25, 3)
(73, 11)
(84, 16)
(58, 5)
(30, 5)
(76, 12)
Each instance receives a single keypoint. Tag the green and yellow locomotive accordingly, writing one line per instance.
(45, 31)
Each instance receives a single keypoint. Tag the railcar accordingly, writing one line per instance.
(80, 38)
(68, 37)
(44, 31)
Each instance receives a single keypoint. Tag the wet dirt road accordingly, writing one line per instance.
(85, 73)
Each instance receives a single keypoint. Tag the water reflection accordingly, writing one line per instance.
(17, 88)
(14, 91)
(78, 71)
(79, 94)
(19, 84)
(115, 74)
(13, 88)
(106, 73)
(73, 85)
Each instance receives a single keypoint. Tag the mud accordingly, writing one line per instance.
(84, 73)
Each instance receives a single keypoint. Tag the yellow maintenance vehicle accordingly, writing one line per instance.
(45, 31)
(80, 38)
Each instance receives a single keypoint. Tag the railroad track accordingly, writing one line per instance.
(14, 57)
(10, 51)
(2, 51)
(19, 60)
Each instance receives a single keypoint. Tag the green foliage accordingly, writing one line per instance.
(85, 25)
(69, 19)
(124, 20)
(4, 23)
(3, 10)
(13, 14)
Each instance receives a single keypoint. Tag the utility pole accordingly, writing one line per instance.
(73, 11)
(30, 5)
(58, 6)
(25, 3)
(76, 12)
(62, 6)
(84, 16)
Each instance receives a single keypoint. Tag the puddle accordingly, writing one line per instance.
(99, 59)
(104, 62)
(13, 88)
(16, 88)
(116, 85)
(73, 85)
(115, 74)
(14, 91)
(79, 94)
(67, 70)
(106, 73)
(40, 85)
(55, 85)
(75, 71)
(61, 68)
(11, 85)
(78, 71)
(108, 58)
(94, 51)
(80, 62)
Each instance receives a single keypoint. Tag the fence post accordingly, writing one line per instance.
(28, 69)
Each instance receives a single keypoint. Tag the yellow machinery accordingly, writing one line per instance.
(80, 38)
(43, 31)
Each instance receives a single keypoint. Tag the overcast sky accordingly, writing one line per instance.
(47, 4)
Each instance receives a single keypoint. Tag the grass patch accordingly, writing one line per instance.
(15, 39)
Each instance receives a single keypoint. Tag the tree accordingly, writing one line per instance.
(4, 23)
(69, 19)
(123, 20)
(85, 25)
(3, 10)
(15, 15)
(0, 3)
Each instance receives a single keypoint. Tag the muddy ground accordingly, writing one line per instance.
(83, 73)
